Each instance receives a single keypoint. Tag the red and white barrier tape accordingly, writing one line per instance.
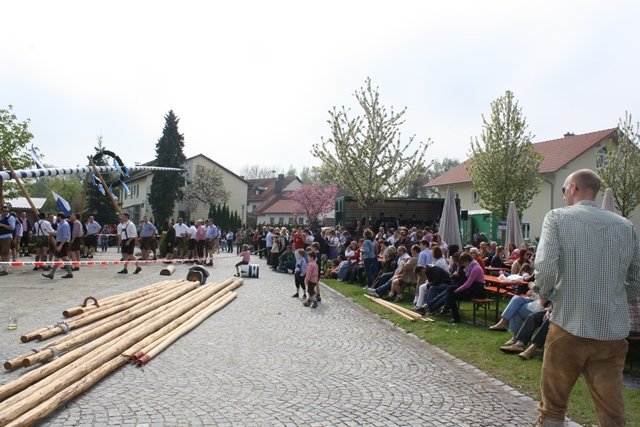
(117, 262)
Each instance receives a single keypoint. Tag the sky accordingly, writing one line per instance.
(252, 81)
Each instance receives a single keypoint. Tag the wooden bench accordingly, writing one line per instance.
(481, 303)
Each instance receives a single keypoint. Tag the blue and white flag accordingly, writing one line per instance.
(125, 188)
(112, 193)
(36, 158)
(97, 184)
(63, 205)
(124, 171)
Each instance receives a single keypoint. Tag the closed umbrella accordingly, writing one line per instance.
(449, 222)
(514, 230)
(607, 200)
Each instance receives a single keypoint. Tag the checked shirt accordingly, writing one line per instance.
(588, 264)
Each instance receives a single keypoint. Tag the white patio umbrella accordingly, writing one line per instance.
(607, 200)
(514, 229)
(449, 221)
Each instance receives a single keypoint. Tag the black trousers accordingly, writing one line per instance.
(476, 290)
(528, 328)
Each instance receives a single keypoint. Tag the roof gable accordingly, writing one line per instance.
(556, 153)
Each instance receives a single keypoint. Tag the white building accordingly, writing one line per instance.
(137, 203)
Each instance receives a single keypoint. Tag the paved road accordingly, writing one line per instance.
(267, 360)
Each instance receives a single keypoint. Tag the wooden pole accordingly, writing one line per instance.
(406, 311)
(74, 389)
(171, 337)
(74, 311)
(161, 338)
(89, 318)
(18, 404)
(58, 366)
(24, 190)
(396, 311)
(70, 342)
(19, 360)
(96, 172)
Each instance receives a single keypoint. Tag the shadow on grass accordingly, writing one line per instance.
(478, 346)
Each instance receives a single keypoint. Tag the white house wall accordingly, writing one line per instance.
(549, 197)
(234, 185)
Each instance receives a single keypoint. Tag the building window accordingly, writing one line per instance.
(290, 220)
(272, 220)
(526, 231)
(475, 197)
(281, 220)
(300, 221)
(601, 158)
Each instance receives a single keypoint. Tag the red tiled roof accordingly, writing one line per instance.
(556, 153)
(269, 184)
(281, 206)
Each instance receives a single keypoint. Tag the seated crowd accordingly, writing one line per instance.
(389, 262)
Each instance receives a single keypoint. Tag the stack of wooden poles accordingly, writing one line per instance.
(101, 337)
(401, 311)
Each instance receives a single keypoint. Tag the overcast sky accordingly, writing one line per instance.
(252, 81)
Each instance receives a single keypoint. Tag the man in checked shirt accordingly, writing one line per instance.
(588, 264)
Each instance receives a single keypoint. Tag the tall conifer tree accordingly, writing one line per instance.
(165, 186)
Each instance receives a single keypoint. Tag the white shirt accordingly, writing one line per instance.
(42, 228)
(181, 229)
(192, 232)
(128, 230)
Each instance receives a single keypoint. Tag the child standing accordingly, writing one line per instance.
(311, 280)
(315, 249)
(246, 257)
(299, 273)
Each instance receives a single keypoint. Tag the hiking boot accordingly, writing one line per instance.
(123, 271)
(314, 305)
(138, 270)
(68, 276)
(48, 276)
(295, 295)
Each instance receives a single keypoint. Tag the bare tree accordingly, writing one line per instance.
(207, 188)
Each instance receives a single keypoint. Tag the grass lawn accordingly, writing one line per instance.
(480, 347)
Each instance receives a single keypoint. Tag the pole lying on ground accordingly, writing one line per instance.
(105, 325)
(107, 349)
(80, 309)
(393, 309)
(67, 394)
(399, 310)
(140, 354)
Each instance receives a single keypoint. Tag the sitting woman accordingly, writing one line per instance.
(438, 258)
(389, 264)
(349, 254)
(523, 258)
(407, 276)
(473, 287)
(518, 309)
(497, 260)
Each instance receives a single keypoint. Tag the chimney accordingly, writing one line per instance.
(569, 134)
(279, 183)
